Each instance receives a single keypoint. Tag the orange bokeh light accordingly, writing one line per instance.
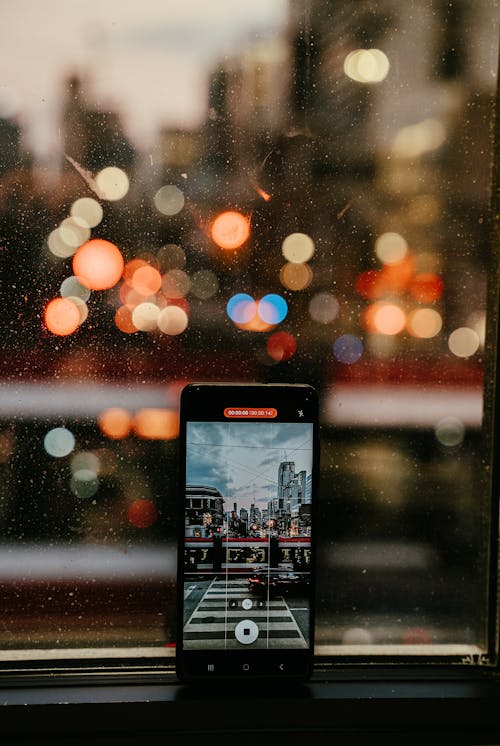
(389, 319)
(131, 267)
(384, 318)
(396, 277)
(156, 424)
(128, 296)
(62, 316)
(123, 320)
(146, 280)
(230, 229)
(391, 279)
(115, 423)
(98, 264)
(426, 287)
(369, 284)
(255, 324)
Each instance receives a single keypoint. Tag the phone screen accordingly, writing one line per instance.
(247, 553)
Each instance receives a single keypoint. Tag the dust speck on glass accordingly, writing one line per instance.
(254, 191)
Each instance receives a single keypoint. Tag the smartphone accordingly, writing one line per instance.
(248, 483)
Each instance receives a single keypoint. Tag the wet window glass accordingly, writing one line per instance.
(260, 191)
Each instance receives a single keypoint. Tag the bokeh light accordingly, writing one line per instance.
(450, 432)
(414, 140)
(72, 287)
(74, 232)
(123, 320)
(391, 247)
(156, 424)
(62, 316)
(395, 278)
(348, 349)
(88, 210)
(463, 342)
(366, 65)
(59, 442)
(272, 308)
(241, 308)
(98, 264)
(391, 279)
(230, 230)
(130, 267)
(146, 280)
(112, 183)
(115, 423)
(145, 316)
(370, 284)
(171, 256)
(56, 245)
(85, 460)
(204, 284)
(357, 636)
(298, 248)
(323, 308)
(388, 318)
(176, 284)
(142, 513)
(129, 297)
(59, 245)
(169, 200)
(296, 276)
(281, 346)
(424, 323)
(84, 483)
(83, 309)
(172, 320)
(426, 287)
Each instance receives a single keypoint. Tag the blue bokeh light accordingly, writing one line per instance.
(241, 308)
(348, 349)
(272, 308)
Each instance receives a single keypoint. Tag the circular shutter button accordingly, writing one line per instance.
(246, 631)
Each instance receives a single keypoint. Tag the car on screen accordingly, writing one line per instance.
(277, 581)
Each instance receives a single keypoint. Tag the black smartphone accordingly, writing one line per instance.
(248, 476)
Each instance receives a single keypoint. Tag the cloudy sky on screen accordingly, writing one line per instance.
(242, 459)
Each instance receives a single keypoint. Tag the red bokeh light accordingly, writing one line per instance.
(368, 283)
(142, 513)
(281, 346)
(426, 287)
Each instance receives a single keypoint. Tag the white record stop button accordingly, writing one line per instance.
(246, 631)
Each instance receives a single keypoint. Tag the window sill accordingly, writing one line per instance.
(355, 705)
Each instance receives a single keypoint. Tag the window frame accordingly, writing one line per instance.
(393, 696)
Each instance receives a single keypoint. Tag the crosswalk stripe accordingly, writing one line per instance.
(212, 623)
